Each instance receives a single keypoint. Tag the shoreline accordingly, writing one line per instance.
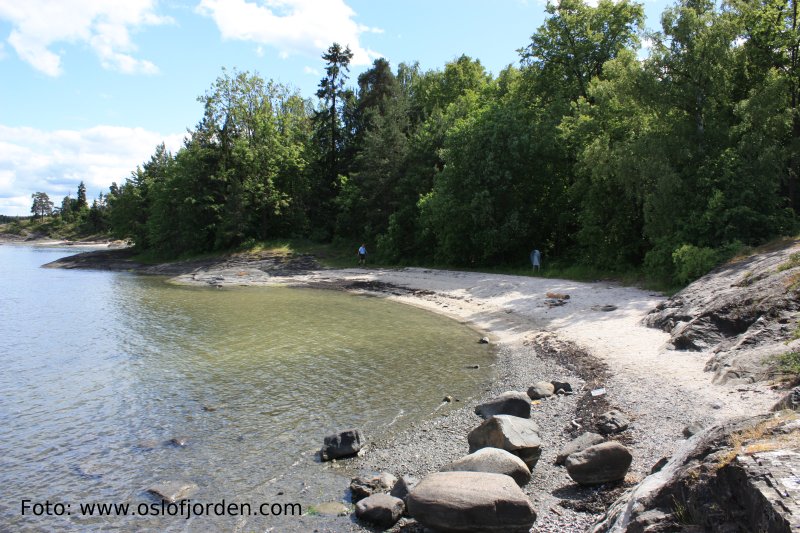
(593, 339)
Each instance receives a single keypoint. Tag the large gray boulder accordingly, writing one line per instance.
(509, 403)
(380, 509)
(492, 460)
(466, 502)
(601, 463)
(342, 444)
(519, 436)
(578, 444)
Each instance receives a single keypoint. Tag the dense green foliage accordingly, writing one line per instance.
(589, 151)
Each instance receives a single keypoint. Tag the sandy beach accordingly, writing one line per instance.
(661, 390)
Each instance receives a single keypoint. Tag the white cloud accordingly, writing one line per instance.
(55, 162)
(105, 26)
(306, 27)
(310, 70)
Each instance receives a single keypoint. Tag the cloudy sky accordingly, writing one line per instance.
(90, 87)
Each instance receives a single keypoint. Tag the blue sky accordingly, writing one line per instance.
(90, 87)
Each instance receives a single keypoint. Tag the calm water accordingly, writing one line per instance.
(100, 369)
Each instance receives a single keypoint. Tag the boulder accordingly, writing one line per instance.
(578, 444)
(510, 433)
(601, 463)
(790, 401)
(403, 487)
(509, 403)
(561, 387)
(180, 442)
(492, 460)
(464, 502)
(342, 444)
(364, 486)
(612, 422)
(541, 389)
(173, 491)
(380, 509)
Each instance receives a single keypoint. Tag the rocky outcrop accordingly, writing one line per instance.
(743, 313)
(380, 509)
(342, 444)
(740, 476)
(492, 460)
(509, 403)
(466, 502)
(510, 433)
(602, 463)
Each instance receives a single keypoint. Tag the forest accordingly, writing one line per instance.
(589, 149)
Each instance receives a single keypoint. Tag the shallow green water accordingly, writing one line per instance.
(101, 369)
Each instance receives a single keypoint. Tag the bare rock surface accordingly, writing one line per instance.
(742, 313)
(737, 476)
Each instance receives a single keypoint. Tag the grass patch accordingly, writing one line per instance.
(793, 262)
(759, 438)
(789, 362)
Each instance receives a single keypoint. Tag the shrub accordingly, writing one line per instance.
(692, 262)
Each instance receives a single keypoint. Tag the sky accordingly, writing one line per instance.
(90, 87)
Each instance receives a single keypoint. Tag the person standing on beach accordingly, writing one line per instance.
(362, 255)
(536, 259)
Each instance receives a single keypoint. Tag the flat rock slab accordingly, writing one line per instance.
(510, 433)
(601, 463)
(493, 460)
(380, 509)
(173, 491)
(509, 403)
(332, 509)
(471, 502)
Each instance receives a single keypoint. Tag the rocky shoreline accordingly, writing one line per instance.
(589, 335)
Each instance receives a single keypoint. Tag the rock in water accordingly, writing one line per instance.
(364, 486)
(510, 433)
(601, 463)
(380, 509)
(612, 422)
(541, 389)
(342, 444)
(173, 491)
(509, 403)
(466, 502)
(493, 460)
(579, 444)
